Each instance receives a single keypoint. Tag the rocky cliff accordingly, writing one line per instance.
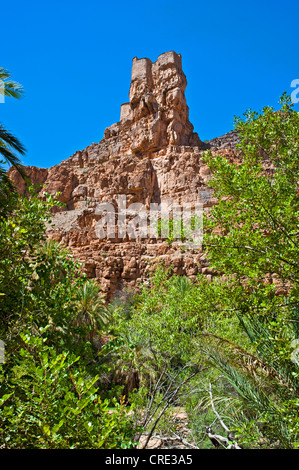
(152, 154)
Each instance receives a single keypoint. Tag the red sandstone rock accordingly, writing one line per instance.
(150, 155)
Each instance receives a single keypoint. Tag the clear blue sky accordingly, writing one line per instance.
(74, 60)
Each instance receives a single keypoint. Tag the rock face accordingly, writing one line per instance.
(149, 156)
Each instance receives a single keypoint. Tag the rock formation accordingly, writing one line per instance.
(150, 155)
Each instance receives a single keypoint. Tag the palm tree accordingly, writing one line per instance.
(8, 142)
(10, 88)
(133, 362)
(266, 382)
(90, 307)
(183, 285)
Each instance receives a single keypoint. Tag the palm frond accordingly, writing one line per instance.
(90, 306)
(8, 142)
(10, 87)
(8, 139)
(256, 399)
(261, 335)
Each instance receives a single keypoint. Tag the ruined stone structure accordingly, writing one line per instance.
(150, 155)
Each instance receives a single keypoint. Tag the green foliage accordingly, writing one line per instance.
(252, 237)
(175, 228)
(253, 231)
(49, 316)
(9, 144)
(34, 274)
(10, 88)
(152, 352)
(49, 401)
(237, 329)
(89, 305)
(171, 331)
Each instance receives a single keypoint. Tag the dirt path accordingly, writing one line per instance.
(178, 437)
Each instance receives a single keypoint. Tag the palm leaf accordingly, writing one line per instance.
(10, 88)
(7, 139)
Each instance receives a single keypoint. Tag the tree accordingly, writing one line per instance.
(252, 238)
(253, 232)
(48, 393)
(90, 310)
(9, 87)
(48, 384)
(151, 351)
(8, 142)
(49, 400)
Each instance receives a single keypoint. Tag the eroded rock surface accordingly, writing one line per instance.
(151, 155)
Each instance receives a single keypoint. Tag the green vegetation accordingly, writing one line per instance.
(252, 237)
(223, 350)
(49, 317)
(9, 144)
(171, 229)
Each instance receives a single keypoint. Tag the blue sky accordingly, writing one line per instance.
(74, 60)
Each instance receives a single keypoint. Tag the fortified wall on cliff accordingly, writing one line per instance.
(150, 155)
